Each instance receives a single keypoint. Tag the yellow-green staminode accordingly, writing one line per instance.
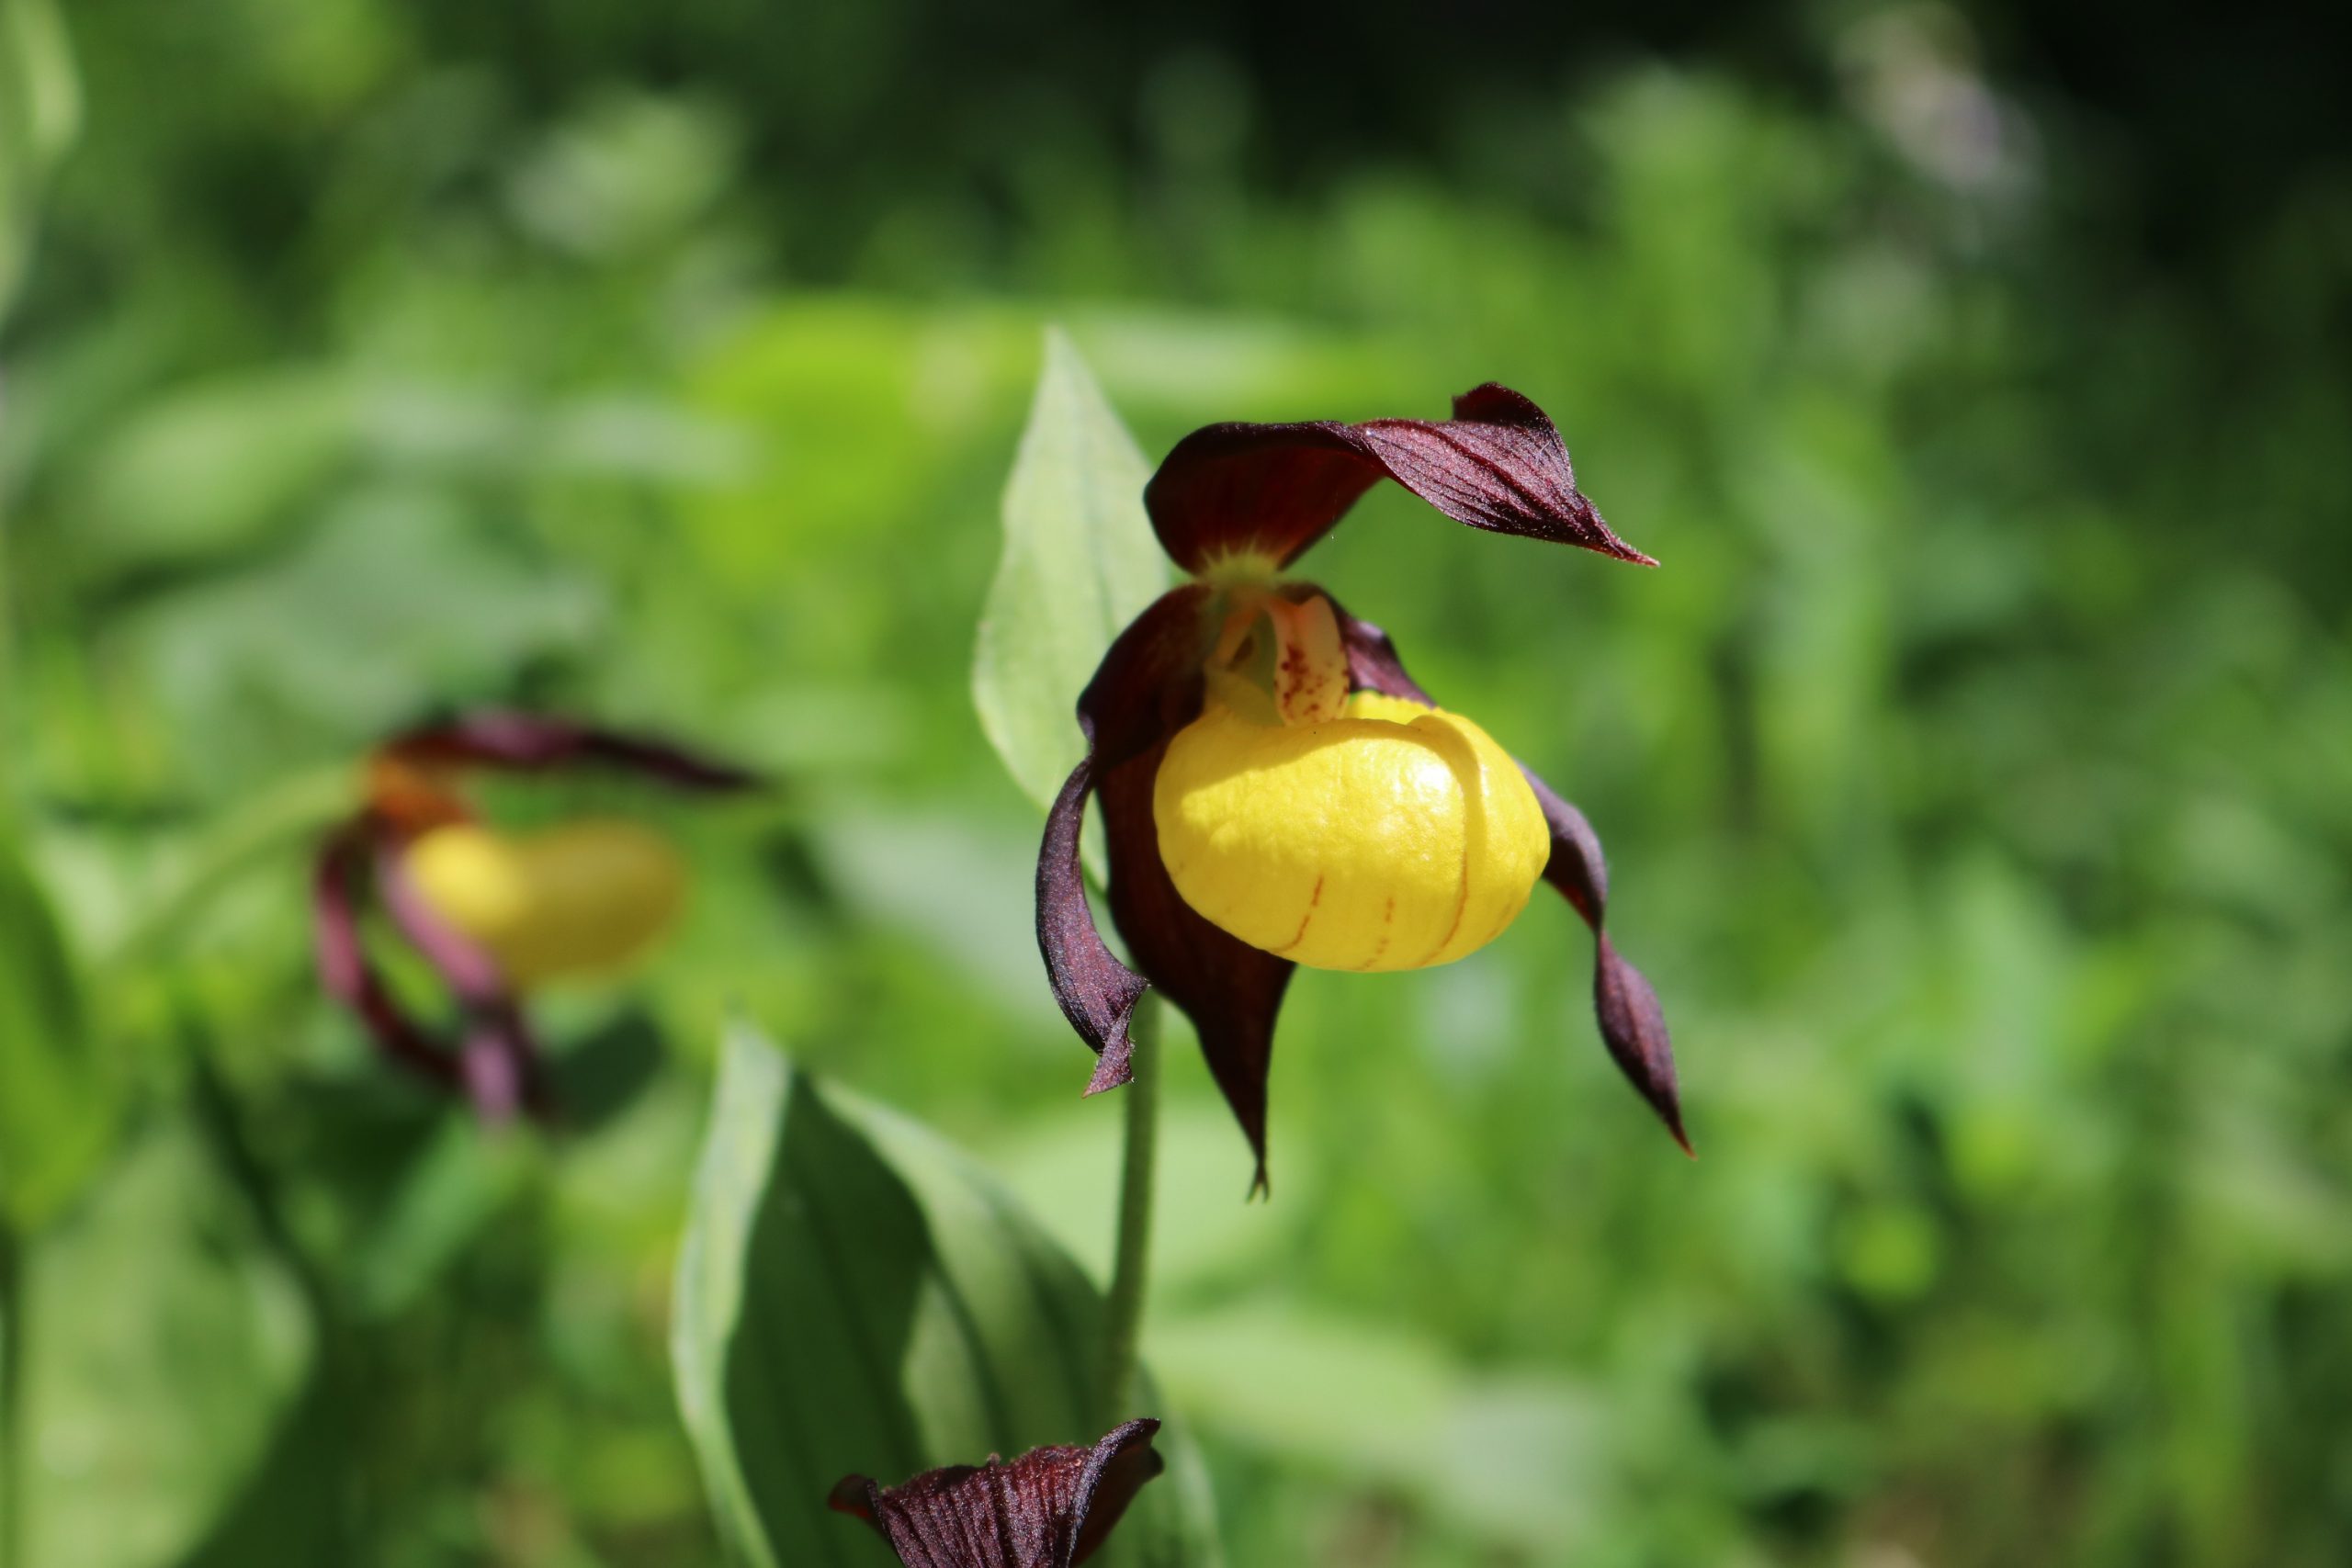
(574, 902)
(1392, 837)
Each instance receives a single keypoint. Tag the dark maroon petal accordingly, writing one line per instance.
(503, 1070)
(1097, 993)
(1273, 490)
(1632, 1024)
(345, 970)
(1049, 1508)
(1230, 989)
(500, 1062)
(1148, 685)
(470, 973)
(521, 742)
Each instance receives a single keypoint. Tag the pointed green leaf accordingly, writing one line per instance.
(56, 1104)
(40, 112)
(1079, 562)
(856, 1295)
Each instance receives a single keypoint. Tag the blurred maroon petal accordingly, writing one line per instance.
(470, 973)
(345, 970)
(1148, 685)
(499, 1064)
(1633, 1026)
(1273, 490)
(1049, 1508)
(502, 1066)
(521, 742)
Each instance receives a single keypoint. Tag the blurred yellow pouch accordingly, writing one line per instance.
(580, 900)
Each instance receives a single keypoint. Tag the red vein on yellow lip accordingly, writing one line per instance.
(1312, 899)
(1461, 908)
(1387, 922)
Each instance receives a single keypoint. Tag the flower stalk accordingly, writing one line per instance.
(1131, 1266)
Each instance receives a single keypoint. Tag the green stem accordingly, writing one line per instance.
(300, 809)
(1123, 1315)
(13, 1438)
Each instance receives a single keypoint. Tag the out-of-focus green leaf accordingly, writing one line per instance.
(56, 1102)
(210, 470)
(1079, 562)
(397, 601)
(856, 1295)
(1515, 1460)
(41, 112)
(164, 1343)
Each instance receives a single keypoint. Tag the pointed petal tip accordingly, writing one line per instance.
(1115, 1070)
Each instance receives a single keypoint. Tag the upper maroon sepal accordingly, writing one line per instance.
(524, 742)
(1050, 1508)
(1273, 490)
(1632, 1025)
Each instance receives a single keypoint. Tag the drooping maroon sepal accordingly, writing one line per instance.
(1148, 686)
(1050, 1508)
(1633, 1026)
(1230, 989)
(524, 742)
(1273, 490)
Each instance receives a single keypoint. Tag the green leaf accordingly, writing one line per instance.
(56, 1102)
(856, 1295)
(1079, 562)
(41, 114)
(166, 1345)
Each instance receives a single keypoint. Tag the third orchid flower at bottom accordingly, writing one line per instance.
(1276, 790)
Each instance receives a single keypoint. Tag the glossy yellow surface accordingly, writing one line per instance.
(1394, 837)
(577, 901)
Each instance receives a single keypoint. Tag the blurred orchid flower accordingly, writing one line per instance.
(495, 914)
(1276, 790)
(1049, 1508)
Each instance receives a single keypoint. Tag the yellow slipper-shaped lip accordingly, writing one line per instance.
(1393, 837)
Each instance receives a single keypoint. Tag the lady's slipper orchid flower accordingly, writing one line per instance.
(1049, 1508)
(1277, 791)
(495, 914)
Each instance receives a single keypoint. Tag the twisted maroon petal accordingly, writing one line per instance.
(1632, 1025)
(521, 742)
(1148, 685)
(344, 968)
(1049, 1508)
(1273, 490)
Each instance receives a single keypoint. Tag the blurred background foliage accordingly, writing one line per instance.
(1977, 771)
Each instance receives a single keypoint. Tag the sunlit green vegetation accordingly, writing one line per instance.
(1976, 774)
